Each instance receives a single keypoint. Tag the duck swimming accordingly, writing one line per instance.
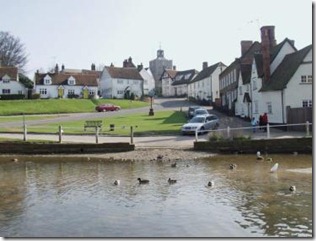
(171, 181)
(174, 164)
(292, 188)
(116, 182)
(232, 166)
(142, 181)
(210, 184)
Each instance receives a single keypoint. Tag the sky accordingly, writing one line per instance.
(77, 33)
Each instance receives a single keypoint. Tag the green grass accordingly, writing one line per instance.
(56, 106)
(163, 122)
(4, 119)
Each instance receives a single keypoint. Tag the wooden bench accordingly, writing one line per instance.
(93, 124)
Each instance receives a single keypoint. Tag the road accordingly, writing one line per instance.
(155, 141)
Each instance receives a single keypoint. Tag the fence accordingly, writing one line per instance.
(267, 132)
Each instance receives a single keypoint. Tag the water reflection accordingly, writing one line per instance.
(59, 197)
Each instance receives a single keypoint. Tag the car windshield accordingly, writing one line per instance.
(197, 119)
(201, 112)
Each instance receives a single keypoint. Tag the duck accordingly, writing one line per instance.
(232, 166)
(174, 164)
(171, 181)
(159, 157)
(142, 181)
(116, 182)
(259, 157)
(269, 159)
(292, 188)
(210, 183)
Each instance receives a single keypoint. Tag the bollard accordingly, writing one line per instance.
(196, 135)
(24, 132)
(228, 132)
(268, 131)
(97, 135)
(307, 128)
(132, 135)
(60, 132)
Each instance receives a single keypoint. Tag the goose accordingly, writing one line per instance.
(142, 181)
(275, 167)
(116, 182)
(232, 166)
(171, 181)
(174, 164)
(210, 184)
(292, 188)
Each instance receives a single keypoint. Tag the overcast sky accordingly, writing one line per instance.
(77, 33)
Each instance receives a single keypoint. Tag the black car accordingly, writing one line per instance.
(191, 111)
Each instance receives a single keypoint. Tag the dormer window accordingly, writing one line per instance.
(71, 81)
(6, 79)
(47, 80)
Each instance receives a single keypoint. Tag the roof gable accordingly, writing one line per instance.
(284, 72)
(207, 72)
(12, 72)
(184, 77)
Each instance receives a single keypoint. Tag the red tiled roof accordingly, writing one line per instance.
(124, 73)
(62, 79)
(12, 72)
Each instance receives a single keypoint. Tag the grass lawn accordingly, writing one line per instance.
(163, 122)
(56, 106)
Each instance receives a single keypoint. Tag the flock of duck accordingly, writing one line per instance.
(232, 166)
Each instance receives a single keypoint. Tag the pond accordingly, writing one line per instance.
(75, 197)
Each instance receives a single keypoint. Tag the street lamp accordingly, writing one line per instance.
(151, 95)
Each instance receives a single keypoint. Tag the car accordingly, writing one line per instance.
(107, 107)
(201, 123)
(191, 111)
(200, 111)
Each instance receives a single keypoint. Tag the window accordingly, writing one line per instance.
(307, 103)
(269, 107)
(43, 91)
(120, 81)
(71, 82)
(247, 88)
(91, 92)
(46, 81)
(303, 78)
(71, 92)
(120, 92)
(6, 91)
(6, 81)
(310, 79)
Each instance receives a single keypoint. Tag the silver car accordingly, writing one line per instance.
(200, 111)
(200, 123)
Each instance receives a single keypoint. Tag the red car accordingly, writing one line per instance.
(107, 107)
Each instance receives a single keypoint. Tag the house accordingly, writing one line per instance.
(67, 84)
(182, 80)
(9, 82)
(205, 85)
(230, 77)
(166, 79)
(149, 81)
(290, 86)
(119, 82)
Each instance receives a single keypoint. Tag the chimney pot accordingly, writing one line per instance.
(205, 65)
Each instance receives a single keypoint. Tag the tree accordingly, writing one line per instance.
(12, 51)
(26, 81)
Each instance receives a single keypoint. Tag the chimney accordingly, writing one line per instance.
(56, 69)
(245, 45)
(174, 67)
(267, 42)
(205, 65)
(62, 68)
(292, 42)
(125, 63)
(130, 59)
(140, 67)
(92, 66)
(112, 65)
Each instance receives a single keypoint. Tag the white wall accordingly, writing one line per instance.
(149, 81)
(14, 86)
(105, 84)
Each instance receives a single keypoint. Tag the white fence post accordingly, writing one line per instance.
(228, 132)
(97, 135)
(268, 131)
(60, 133)
(196, 135)
(307, 128)
(24, 132)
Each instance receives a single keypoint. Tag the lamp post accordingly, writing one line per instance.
(151, 95)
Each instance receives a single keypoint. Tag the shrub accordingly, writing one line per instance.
(12, 97)
(36, 96)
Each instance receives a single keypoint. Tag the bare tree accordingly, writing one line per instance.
(12, 51)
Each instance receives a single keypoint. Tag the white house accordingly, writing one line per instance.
(9, 82)
(166, 79)
(115, 82)
(181, 81)
(149, 81)
(290, 85)
(66, 84)
(205, 85)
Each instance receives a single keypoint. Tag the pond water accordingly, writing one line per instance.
(75, 197)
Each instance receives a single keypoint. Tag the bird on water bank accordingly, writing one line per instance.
(171, 181)
(142, 181)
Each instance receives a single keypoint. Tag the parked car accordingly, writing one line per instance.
(191, 111)
(200, 111)
(107, 107)
(201, 123)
